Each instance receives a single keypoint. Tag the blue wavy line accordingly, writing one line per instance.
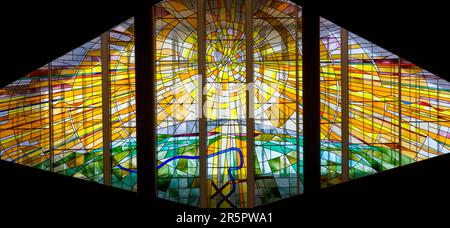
(126, 169)
(230, 175)
(176, 157)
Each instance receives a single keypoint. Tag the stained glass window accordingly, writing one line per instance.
(396, 109)
(53, 118)
(73, 114)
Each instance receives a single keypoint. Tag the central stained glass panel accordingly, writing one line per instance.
(277, 72)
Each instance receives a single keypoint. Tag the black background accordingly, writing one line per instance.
(37, 32)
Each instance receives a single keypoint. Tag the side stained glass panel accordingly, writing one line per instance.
(177, 101)
(52, 118)
(397, 110)
(330, 103)
(123, 106)
(77, 113)
(24, 120)
(276, 145)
